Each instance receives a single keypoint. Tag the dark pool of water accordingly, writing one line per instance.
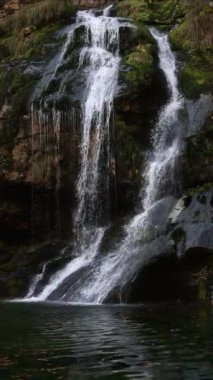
(48, 342)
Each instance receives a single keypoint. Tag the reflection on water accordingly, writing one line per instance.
(49, 342)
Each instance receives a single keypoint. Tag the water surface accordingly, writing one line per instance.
(46, 341)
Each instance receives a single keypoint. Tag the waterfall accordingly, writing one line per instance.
(101, 57)
(140, 243)
(161, 177)
(99, 60)
(91, 275)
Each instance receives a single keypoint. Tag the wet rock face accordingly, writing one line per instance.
(135, 115)
(30, 155)
(183, 268)
(36, 178)
(192, 221)
(198, 160)
(16, 275)
(167, 278)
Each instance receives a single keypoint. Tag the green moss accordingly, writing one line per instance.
(15, 87)
(195, 32)
(141, 66)
(39, 14)
(196, 73)
(136, 9)
(25, 33)
(157, 12)
(13, 47)
(130, 151)
(196, 76)
(193, 37)
(200, 189)
(21, 87)
(194, 81)
(172, 11)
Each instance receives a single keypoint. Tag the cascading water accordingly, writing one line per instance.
(99, 60)
(161, 177)
(118, 267)
(101, 57)
(101, 274)
(91, 275)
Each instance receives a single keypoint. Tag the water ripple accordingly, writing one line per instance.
(44, 342)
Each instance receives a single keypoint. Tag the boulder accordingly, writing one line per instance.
(182, 268)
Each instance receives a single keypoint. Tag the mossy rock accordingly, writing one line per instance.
(14, 47)
(136, 9)
(11, 82)
(193, 38)
(38, 14)
(195, 30)
(194, 81)
(199, 189)
(15, 88)
(126, 137)
(198, 161)
(152, 12)
(140, 63)
(25, 33)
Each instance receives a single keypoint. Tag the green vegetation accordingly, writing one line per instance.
(138, 10)
(16, 88)
(37, 15)
(195, 31)
(194, 38)
(197, 76)
(13, 47)
(199, 189)
(141, 63)
(24, 33)
(127, 140)
(139, 58)
(160, 12)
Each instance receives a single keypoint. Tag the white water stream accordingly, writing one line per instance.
(118, 267)
(102, 274)
(99, 59)
(91, 275)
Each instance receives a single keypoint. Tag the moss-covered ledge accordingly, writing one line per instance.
(163, 13)
(140, 63)
(193, 39)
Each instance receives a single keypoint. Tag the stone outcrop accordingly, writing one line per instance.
(178, 262)
(192, 223)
